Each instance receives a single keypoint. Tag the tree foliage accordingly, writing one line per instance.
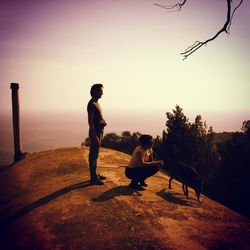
(124, 143)
(185, 141)
(246, 128)
(235, 171)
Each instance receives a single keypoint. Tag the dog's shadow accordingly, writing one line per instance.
(173, 197)
(116, 191)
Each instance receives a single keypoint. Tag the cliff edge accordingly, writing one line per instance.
(47, 202)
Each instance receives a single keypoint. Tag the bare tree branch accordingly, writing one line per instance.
(226, 27)
(233, 14)
(177, 6)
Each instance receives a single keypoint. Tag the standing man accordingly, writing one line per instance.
(96, 127)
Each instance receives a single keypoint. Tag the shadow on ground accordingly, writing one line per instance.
(173, 198)
(116, 191)
(40, 202)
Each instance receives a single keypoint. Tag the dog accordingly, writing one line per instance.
(188, 176)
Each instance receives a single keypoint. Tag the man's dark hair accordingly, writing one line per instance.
(145, 139)
(95, 88)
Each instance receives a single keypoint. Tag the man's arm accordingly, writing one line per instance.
(143, 163)
(92, 132)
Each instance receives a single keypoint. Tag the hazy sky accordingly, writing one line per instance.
(56, 49)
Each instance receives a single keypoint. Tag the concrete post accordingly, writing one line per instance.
(18, 155)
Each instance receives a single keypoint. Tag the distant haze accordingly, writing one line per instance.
(50, 130)
(56, 50)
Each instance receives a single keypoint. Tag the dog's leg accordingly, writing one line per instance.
(183, 188)
(169, 184)
(198, 195)
(187, 191)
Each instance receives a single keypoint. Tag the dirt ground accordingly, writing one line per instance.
(47, 202)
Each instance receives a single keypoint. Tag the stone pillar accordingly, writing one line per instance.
(18, 155)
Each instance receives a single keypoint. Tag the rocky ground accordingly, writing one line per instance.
(47, 202)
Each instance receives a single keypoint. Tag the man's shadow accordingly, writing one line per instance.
(116, 191)
(40, 202)
(6, 167)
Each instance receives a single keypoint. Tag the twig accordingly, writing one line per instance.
(178, 6)
(198, 44)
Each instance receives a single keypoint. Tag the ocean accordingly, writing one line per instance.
(49, 130)
(41, 132)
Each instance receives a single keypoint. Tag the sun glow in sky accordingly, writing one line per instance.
(57, 49)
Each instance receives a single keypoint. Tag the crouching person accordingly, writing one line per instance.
(142, 165)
